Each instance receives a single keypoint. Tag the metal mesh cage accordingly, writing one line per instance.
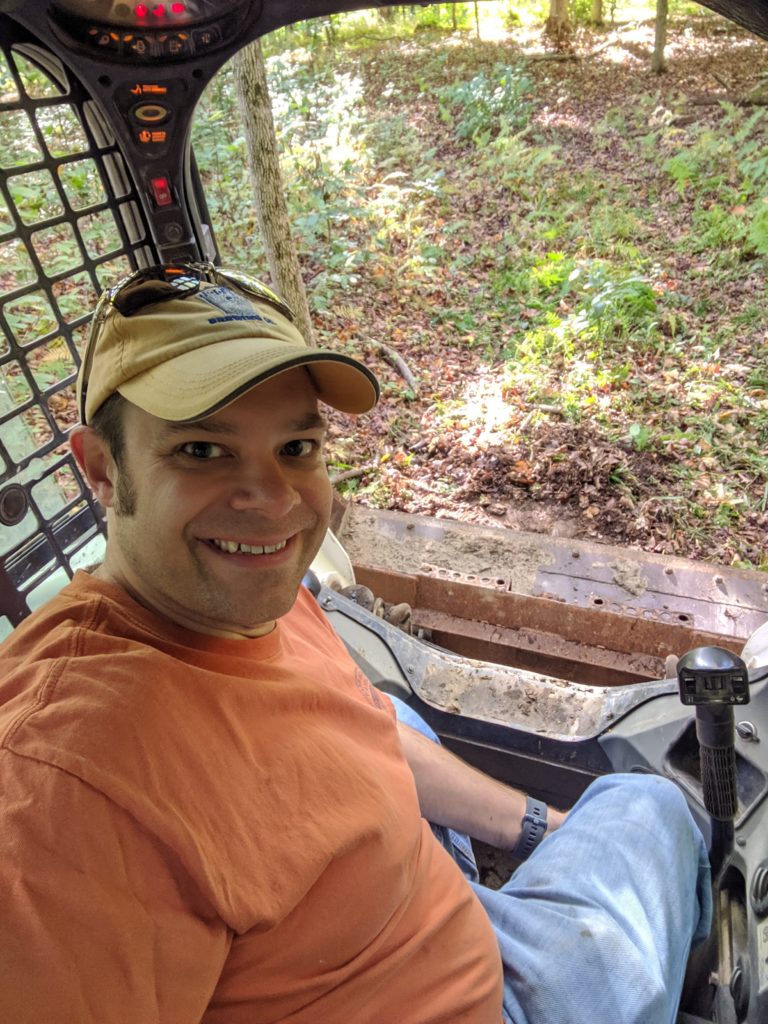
(70, 224)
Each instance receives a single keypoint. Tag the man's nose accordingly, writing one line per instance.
(264, 488)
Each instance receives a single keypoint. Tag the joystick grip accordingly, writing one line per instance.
(718, 778)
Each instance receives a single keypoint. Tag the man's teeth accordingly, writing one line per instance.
(233, 548)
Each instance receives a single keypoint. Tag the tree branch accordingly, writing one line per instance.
(353, 474)
(398, 362)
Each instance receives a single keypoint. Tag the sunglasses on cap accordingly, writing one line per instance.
(161, 283)
(165, 281)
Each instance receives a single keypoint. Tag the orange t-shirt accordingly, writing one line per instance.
(201, 829)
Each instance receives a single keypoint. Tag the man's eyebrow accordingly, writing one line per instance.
(312, 421)
(202, 427)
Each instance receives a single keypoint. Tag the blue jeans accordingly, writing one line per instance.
(598, 923)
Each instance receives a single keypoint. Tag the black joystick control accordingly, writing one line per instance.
(713, 680)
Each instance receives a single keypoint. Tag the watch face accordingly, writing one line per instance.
(145, 15)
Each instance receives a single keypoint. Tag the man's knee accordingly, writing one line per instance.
(653, 801)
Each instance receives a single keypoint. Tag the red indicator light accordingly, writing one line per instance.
(161, 191)
(178, 8)
(158, 10)
(141, 10)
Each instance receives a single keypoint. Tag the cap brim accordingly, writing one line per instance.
(196, 384)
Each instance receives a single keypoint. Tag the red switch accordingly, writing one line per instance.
(161, 191)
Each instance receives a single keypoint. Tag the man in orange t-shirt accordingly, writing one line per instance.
(208, 813)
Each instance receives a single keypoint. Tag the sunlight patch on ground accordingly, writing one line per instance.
(560, 120)
(482, 412)
(617, 55)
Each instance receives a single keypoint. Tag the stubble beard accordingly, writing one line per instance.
(124, 505)
(208, 600)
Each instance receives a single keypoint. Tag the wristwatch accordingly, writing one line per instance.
(533, 828)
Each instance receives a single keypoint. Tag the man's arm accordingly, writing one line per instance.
(454, 794)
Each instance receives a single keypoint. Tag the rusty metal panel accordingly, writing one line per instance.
(726, 602)
(539, 563)
(385, 583)
(628, 630)
(616, 604)
(537, 652)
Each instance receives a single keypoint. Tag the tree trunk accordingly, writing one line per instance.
(269, 193)
(558, 26)
(658, 60)
(597, 12)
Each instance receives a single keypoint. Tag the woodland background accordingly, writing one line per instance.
(552, 255)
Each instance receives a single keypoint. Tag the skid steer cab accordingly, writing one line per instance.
(97, 179)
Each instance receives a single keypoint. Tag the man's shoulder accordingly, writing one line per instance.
(84, 691)
(60, 665)
(57, 627)
(68, 609)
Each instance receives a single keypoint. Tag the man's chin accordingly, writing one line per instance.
(252, 619)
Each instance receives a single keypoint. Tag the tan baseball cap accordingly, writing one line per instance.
(182, 358)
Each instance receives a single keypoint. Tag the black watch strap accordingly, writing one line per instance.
(534, 826)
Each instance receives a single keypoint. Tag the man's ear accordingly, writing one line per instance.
(96, 463)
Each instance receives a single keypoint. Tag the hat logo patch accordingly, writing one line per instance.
(234, 306)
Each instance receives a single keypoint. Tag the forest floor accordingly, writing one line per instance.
(646, 428)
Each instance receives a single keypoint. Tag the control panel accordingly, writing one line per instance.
(147, 33)
(146, 62)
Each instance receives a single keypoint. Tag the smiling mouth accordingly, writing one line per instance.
(232, 547)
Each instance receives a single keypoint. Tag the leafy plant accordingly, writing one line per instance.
(640, 435)
(490, 103)
(618, 305)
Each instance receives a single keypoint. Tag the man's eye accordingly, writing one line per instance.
(297, 449)
(202, 450)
